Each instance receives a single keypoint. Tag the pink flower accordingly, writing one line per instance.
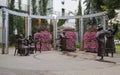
(45, 38)
(71, 39)
(90, 42)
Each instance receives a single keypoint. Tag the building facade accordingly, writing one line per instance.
(63, 7)
(24, 7)
(55, 7)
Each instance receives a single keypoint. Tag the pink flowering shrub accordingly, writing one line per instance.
(94, 43)
(90, 42)
(86, 40)
(45, 38)
(36, 35)
(71, 39)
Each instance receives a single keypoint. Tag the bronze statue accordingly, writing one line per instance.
(100, 36)
(110, 45)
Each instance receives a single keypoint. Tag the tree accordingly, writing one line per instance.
(34, 12)
(117, 36)
(19, 4)
(77, 21)
(19, 21)
(61, 22)
(11, 4)
(106, 5)
(43, 10)
(34, 7)
(110, 6)
(97, 5)
(94, 6)
(15, 22)
(11, 22)
(78, 13)
(89, 6)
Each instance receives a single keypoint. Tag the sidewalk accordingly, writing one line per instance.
(58, 63)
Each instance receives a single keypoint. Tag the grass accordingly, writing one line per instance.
(117, 49)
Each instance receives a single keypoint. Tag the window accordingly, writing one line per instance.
(63, 2)
(63, 12)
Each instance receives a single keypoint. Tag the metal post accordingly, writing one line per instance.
(55, 33)
(81, 34)
(6, 32)
(26, 26)
(29, 26)
(3, 32)
(104, 22)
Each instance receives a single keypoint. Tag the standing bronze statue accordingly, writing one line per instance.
(110, 45)
(100, 36)
(62, 38)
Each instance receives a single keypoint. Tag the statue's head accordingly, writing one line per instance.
(99, 27)
(91, 27)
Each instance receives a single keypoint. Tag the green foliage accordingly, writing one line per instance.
(11, 22)
(79, 8)
(117, 36)
(33, 3)
(19, 24)
(97, 5)
(43, 7)
(93, 6)
(11, 4)
(19, 5)
(34, 12)
(44, 22)
(61, 22)
(43, 10)
(110, 6)
(90, 6)
(111, 13)
(34, 25)
(15, 22)
(77, 44)
(78, 13)
(117, 49)
(51, 27)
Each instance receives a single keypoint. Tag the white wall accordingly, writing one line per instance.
(3, 2)
(23, 4)
(69, 5)
(57, 6)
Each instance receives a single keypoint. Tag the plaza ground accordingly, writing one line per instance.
(58, 63)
